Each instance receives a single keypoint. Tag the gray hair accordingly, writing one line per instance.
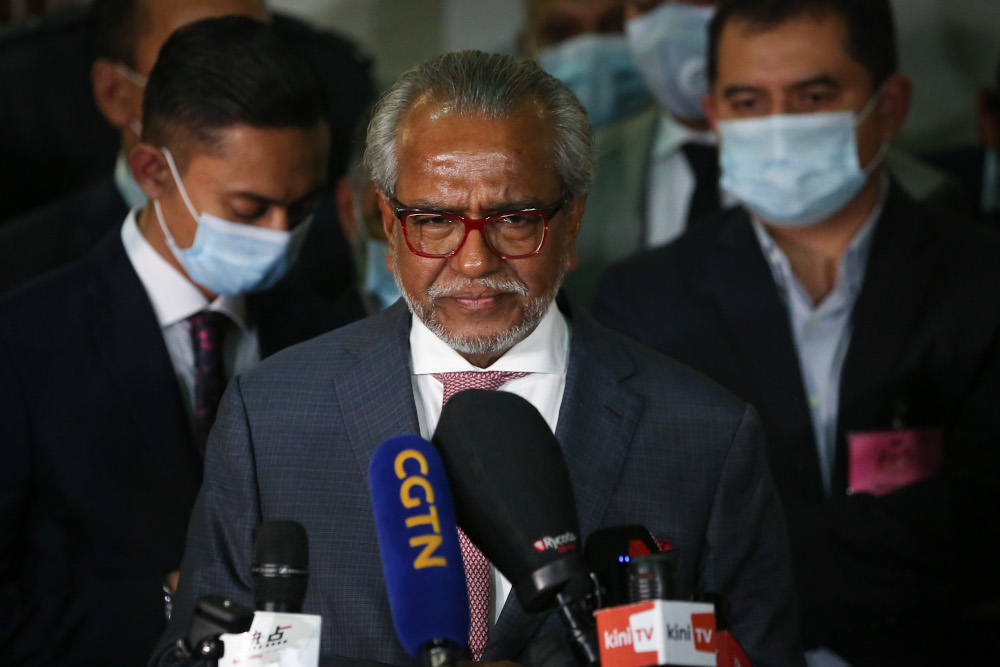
(494, 86)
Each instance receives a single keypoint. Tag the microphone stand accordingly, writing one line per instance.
(214, 616)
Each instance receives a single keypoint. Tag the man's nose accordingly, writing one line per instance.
(474, 258)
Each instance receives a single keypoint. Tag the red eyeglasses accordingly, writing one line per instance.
(512, 235)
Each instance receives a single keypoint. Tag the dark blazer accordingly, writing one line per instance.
(873, 574)
(100, 470)
(647, 441)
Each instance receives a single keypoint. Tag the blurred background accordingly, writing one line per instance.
(949, 47)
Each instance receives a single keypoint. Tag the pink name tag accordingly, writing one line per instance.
(884, 461)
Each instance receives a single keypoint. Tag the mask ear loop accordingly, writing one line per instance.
(861, 117)
(179, 182)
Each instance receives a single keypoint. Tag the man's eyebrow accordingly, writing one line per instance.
(261, 199)
(738, 89)
(820, 80)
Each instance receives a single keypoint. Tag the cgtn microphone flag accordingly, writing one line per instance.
(657, 632)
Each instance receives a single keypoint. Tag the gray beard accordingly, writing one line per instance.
(489, 343)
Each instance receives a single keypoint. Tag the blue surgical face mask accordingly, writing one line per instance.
(232, 258)
(669, 45)
(600, 72)
(795, 170)
(379, 281)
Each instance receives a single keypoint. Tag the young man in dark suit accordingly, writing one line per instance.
(111, 368)
(459, 139)
(72, 162)
(859, 323)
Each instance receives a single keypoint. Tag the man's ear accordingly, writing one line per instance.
(988, 117)
(574, 216)
(344, 196)
(711, 111)
(894, 105)
(388, 224)
(113, 93)
(150, 170)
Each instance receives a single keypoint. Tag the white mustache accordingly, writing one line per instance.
(492, 283)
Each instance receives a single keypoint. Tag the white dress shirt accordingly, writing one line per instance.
(544, 353)
(670, 180)
(174, 298)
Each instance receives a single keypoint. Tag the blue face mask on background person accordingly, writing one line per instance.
(600, 72)
(794, 170)
(379, 280)
(669, 45)
(231, 258)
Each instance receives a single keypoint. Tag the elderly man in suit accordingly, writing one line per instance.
(111, 369)
(483, 163)
(862, 325)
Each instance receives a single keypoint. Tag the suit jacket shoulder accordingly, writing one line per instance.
(58, 233)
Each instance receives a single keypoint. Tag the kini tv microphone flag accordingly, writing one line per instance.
(515, 501)
(418, 540)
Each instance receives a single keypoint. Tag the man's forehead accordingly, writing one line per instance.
(749, 47)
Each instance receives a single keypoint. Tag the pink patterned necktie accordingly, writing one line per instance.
(477, 567)
(207, 328)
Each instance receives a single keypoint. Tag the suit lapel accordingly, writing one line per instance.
(376, 395)
(739, 279)
(597, 418)
(902, 264)
(128, 338)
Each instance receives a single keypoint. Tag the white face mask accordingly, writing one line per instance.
(794, 170)
(232, 258)
(670, 46)
(600, 72)
(138, 79)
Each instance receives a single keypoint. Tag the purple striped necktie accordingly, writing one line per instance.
(207, 328)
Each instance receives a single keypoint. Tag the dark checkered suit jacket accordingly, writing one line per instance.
(647, 441)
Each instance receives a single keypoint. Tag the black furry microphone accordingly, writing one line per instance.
(280, 567)
(514, 499)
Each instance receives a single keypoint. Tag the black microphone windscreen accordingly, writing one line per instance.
(281, 566)
(512, 491)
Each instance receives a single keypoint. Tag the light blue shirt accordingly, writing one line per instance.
(822, 332)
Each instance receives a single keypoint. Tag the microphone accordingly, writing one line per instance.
(730, 652)
(213, 616)
(608, 552)
(656, 628)
(421, 555)
(281, 567)
(280, 634)
(514, 500)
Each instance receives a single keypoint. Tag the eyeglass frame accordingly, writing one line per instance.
(478, 224)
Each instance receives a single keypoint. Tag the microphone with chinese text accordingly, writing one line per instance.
(514, 500)
(281, 567)
(281, 634)
(421, 555)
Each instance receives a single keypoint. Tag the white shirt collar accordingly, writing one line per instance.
(670, 135)
(173, 297)
(544, 350)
